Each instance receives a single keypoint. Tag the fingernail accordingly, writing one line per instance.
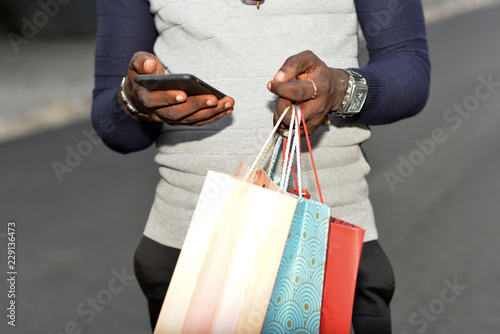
(269, 86)
(179, 98)
(149, 64)
(227, 105)
(210, 103)
(279, 76)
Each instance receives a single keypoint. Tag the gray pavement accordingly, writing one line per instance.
(47, 84)
(439, 220)
(433, 184)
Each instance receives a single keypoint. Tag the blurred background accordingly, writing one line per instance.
(434, 182)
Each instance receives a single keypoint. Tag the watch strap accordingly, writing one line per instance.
(356, 84)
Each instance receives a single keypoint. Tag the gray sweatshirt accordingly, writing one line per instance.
(238, 49)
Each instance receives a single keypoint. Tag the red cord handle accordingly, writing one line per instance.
(311, 154)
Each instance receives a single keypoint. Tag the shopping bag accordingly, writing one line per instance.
(260, 179)
(323, 304)
(228, 264)
(345, 242)
(296, 299)
(297, 296)
(227, 267)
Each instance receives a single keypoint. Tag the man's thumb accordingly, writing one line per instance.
(145, 63)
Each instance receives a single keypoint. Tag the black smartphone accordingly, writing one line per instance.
(185, 82)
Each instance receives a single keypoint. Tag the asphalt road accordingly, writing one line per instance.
(438, 212)
(434, 186)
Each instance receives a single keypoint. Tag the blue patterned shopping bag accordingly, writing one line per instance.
(295, 305)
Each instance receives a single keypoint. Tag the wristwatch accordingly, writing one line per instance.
(355, 95)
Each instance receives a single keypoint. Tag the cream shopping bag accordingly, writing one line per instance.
(226, 271)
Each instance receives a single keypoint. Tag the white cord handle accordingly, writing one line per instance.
(288, 153)
(293, 147)
(265, 149)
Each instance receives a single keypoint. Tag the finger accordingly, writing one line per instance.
(313, 116)
(312, 125)
(155, 118)
(204, 116)
(295, 65)
(145, 63)
(281, 106)
(141, 63)
(216, 117)
(294, 91)
(196, 109)
(161, 98)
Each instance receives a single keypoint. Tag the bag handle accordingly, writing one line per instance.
(298, 181)
(300, 115)
(293, 147)
(311, 154)
(289, 151)
(266, 147)
(275, 139)
(275, 154)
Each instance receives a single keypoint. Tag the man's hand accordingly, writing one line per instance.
(317, 99)
(171, 106)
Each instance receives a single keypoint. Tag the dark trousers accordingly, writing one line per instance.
(154, 265)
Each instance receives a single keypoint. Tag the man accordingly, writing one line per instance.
(264, 58)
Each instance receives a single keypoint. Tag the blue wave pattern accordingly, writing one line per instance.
(295, 305)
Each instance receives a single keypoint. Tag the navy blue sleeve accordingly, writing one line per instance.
(398, 71)
(124, 27)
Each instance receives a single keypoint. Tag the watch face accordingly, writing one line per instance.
(358, 99)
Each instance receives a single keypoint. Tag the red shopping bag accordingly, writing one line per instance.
(345, 242)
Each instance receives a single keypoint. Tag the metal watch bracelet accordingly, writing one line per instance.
(355, 86)
(130, 107)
